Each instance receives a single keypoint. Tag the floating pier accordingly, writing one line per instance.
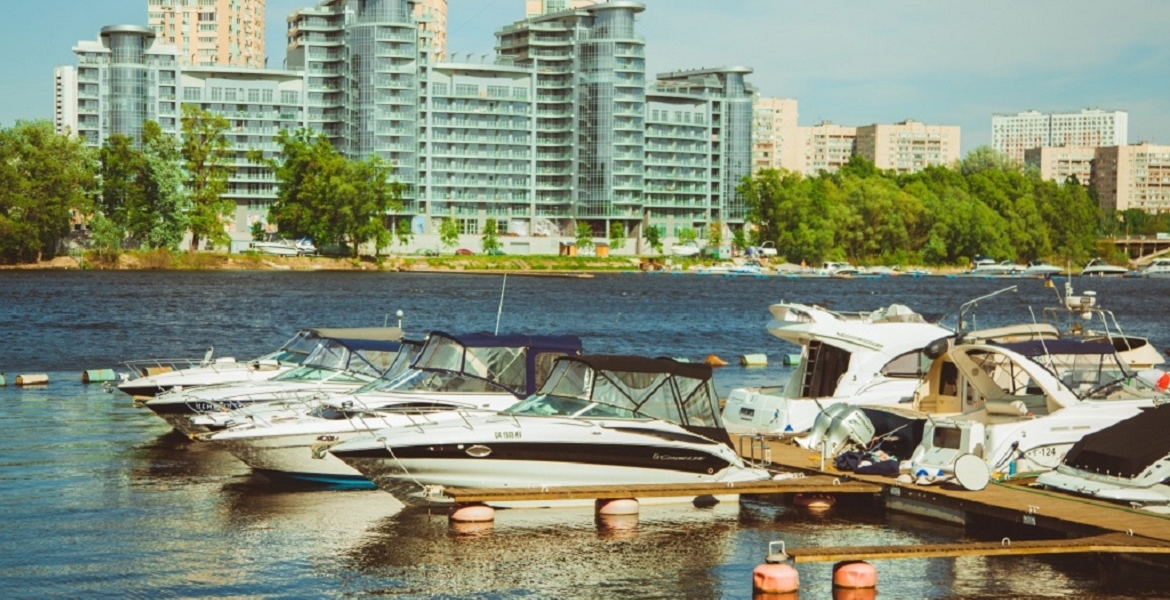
(1091, 526)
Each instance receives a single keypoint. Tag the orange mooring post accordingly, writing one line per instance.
(854, 574)
(775, 578)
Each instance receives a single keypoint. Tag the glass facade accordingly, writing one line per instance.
(561, 129)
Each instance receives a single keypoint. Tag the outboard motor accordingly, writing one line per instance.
(837, 426)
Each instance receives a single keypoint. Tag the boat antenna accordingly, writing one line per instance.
(968, 305)
(500, 310)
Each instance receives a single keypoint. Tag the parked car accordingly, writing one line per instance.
(494, 252)
(464, 252)
(768, 249)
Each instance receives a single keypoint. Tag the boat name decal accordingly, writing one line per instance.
(658, 456)
(507, 435)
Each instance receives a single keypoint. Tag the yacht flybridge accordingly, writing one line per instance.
(598, 420)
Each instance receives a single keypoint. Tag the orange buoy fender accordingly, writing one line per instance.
(856, 574)
(616, 506)
(814, 501)
(775, 578)
(471, 513)
(715, 361)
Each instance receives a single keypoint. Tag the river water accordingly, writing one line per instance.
(99, 499)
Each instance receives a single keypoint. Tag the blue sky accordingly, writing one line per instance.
(848, 61)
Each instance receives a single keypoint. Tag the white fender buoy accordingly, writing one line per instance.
(616, 506)
(791, 360)
(471, 513)
(3, 382)
(32, 379)
(98, 375)
(775, 578)
(754, 360)
(854, 574)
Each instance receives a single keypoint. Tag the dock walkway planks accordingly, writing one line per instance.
(818, 484)
(1110, 527)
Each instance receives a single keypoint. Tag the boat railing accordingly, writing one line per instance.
(149, 367)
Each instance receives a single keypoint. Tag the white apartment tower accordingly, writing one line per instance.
(1091, 127)
(211, 32)
(908, 146)
(776, 139)
(1133, 177)
(65, 100)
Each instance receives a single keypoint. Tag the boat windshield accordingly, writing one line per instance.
(296, 350)
(561, 406)
(430, 380)
(332, 359)
(576, 388)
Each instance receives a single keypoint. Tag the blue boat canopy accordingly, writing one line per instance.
(1040, 348)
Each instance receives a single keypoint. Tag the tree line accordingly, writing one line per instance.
(157, 191)
(986, 205)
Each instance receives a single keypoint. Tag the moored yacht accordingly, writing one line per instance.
(1020, 407)
(150, 377)
(1128, 462)
(1099, 268)
(1039, 268)
(1159, 268)
(598, 420)
(335, 364)
(451, 373)
(859, 358)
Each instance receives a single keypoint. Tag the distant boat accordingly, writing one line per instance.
(1040, 268)
(283, 247)
(1159, 268)
(1100, 268)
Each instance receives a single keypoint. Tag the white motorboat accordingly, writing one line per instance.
(451, 373)
(1127, 463)
(1159, 268)
(1039, 268)
(858, 358)
(1020, 407)
(283, 247)
(837, 269)
(335, 364)
(686, 249)
(598, 420)
(1099, 268)
(1005, 268)
(151, 377)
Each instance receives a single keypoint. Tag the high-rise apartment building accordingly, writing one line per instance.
(211, 32)
(1013, 134)
(561, 130)
(1059, 163)
(1133, 177)
(65, 100)
(827, 147)
(908, 146)
(536, 8)
(776, 138)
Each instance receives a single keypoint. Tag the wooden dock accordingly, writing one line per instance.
(1096, 526)
(816, 484)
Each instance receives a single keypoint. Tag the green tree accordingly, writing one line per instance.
(686, 234)
(491, 236)
(45, 179)
(739, 239)
(327, 197)
(449, 232)
(653, 237)
(257, 231)
(584, 235)
(207, 158)
(715, 234)
(159, 219)
(403, 232)
(122, 170)
(617, 235)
